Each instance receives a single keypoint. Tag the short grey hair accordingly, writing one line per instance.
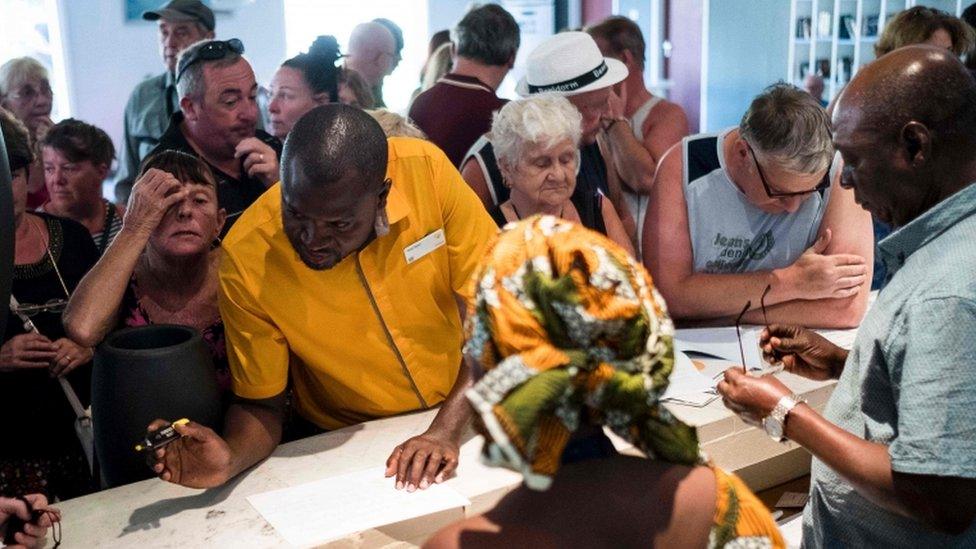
(788, 126)
(191, 83)
(17, 71)
(541, 119)
(487, 34)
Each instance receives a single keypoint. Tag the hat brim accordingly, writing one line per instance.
(172, 15)
(616, 72)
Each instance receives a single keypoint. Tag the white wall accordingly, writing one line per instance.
(107, 56)
(747, 51)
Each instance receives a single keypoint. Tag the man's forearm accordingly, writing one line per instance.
(817, 313)
(455, 413)
(252, 431)
(866, 465)
(634, 163)
(703, 296)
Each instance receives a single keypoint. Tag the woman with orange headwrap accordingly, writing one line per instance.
(572, 337)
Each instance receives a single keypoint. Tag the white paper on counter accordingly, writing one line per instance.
(687, 385)
(335, 507)
(722, 343)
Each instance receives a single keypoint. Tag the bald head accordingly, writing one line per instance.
(924, 84)
(371, 51)
(331, 142)
(333, 191)
(906, 129)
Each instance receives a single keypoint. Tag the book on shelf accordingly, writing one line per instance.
(871, 25)
(823, 24)
(803, 28)
(846, 30)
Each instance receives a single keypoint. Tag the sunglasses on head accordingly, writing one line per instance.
(211, 51)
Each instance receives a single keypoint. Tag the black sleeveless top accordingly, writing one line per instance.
(594, 222)
(591, 184)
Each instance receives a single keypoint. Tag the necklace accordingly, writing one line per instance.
(50, 256)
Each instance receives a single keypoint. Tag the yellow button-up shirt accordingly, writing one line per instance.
(376, 335)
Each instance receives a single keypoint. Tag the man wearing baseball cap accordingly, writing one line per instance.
(152, 103)
(568, 64)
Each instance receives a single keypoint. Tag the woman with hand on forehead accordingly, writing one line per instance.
(162, 266)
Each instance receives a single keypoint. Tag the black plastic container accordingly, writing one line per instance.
(161, 371)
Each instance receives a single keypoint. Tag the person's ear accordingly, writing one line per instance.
(221, 219)
(628, 59)
(511, 61)
(102, 171)
(916, 142)
(189, 109)
(383, 194)
(321, 98)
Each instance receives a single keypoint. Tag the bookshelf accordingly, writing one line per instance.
(834, 38)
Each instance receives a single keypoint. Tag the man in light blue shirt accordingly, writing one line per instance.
(895, 451)
(153, 101)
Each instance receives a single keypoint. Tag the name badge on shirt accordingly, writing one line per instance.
(424, 246)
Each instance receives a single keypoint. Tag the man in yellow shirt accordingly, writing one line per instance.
(345, 277)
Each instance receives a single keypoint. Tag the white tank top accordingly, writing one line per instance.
(637, 203)
(728, 233)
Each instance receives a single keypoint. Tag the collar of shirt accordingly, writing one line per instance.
(897, 247)
(396, 205)
(463, 81)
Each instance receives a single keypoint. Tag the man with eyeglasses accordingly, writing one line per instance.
(895, 449)
(373, 53)
(342, 282)
(179, 23)
(218, 123)
(754, 206)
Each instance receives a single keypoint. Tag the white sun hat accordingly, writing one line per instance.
(569, 63)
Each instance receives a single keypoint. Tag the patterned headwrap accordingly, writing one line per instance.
(567, 326)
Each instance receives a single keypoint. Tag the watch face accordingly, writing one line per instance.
(773, 428)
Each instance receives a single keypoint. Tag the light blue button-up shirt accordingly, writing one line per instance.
(909, 382)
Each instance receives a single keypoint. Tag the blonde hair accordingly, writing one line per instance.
(542, 119)
(438, 64)
(395, 125)
(916, 25)
(17, 71)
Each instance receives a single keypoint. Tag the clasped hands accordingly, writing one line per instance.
(801, 351)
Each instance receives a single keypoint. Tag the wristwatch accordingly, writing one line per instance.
(775, 423)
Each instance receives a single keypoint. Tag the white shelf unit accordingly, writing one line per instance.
(834, 38)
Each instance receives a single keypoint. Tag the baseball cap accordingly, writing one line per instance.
(183, 10)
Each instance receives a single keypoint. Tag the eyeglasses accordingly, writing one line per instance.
(211, 51)
(738, 323)
(823, 185)
(30, 93)
(31, 309)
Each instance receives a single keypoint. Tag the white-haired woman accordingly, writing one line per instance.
(25, 91)
(536, 142)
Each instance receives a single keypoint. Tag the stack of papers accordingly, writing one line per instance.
(332, 508)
